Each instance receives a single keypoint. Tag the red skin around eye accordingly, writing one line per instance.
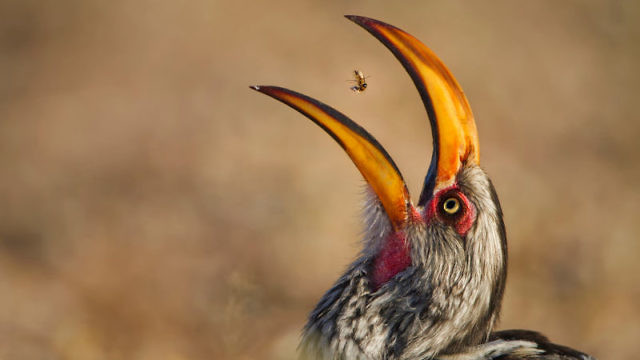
(464, 222)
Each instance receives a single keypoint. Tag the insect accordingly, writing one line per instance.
(361, 84)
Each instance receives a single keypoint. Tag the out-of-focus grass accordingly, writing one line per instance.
(153, 207)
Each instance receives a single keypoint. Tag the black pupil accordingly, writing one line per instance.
(450, 204)
(364, 85)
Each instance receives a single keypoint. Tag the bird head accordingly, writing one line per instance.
(444, 255)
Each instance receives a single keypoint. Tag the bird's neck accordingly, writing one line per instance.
(393, 257)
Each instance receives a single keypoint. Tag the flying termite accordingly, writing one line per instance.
(360, 80)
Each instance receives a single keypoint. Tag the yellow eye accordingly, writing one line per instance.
(451, 205)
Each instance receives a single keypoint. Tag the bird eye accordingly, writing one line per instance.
(451, 205)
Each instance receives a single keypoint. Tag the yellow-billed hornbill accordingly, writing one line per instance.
(430, 279)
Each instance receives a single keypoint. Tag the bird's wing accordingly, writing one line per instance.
(549, 350)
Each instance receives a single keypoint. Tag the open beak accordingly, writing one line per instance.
(375, 164)
(455, 139)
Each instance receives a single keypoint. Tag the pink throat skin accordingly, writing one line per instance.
(392, 259)
(395, 256)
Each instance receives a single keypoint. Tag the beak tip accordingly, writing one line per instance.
(360, 20)
(255, 87)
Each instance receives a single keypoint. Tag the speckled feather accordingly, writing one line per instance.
(447, 300)
(443, 306)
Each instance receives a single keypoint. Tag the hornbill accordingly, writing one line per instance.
(430, 280)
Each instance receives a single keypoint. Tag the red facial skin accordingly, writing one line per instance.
(395, 256)
(462, 221)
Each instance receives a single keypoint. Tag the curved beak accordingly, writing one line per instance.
(375, 164)
(455, 139)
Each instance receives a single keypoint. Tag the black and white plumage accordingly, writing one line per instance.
(430, 279)
(546, 349)
(446, 301)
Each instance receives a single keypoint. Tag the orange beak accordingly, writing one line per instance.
(455, 139)
(375, 164)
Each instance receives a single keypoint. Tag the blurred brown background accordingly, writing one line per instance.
(153, 207)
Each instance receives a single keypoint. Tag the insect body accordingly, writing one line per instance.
(361, 84)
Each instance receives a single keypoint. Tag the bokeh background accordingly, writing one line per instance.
(153, 207)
